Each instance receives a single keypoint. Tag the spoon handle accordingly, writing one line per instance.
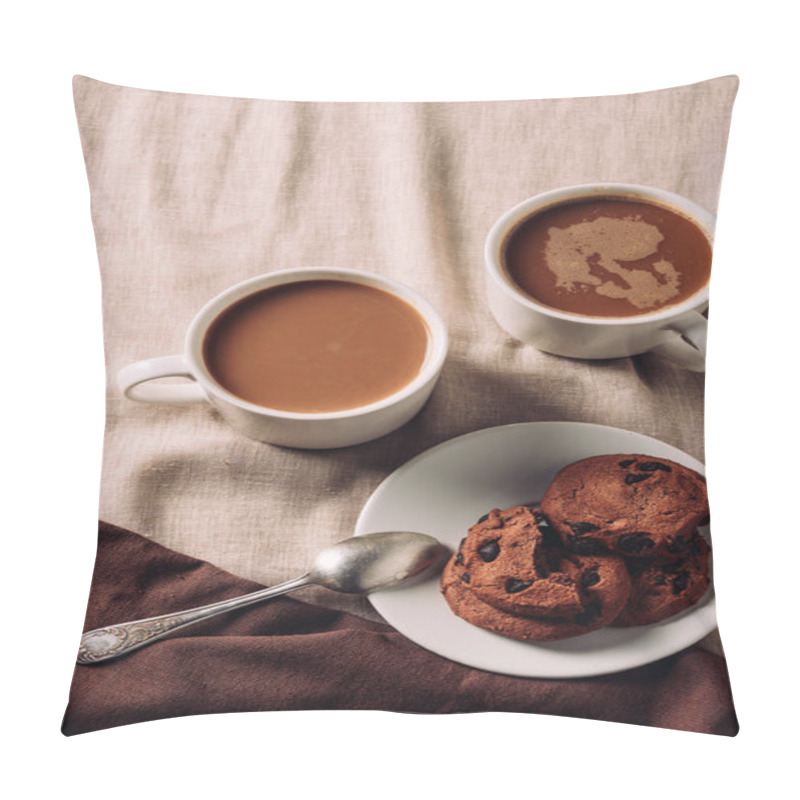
(103, 644)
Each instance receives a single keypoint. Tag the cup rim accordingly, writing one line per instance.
(515, 215)
(438, 339)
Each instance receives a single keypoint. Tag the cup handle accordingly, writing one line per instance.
(131, 380)
(689, 347)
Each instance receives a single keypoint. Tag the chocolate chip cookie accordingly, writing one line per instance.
(664, 587)
(512, 575)
(633, 505)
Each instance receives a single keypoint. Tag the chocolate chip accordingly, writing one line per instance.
(482, 519)
(706, 519)
(459, 558)
(633, 478)
(489, 551)
(635, 543)
(579, 528)
(465, 577)
(672, 567)
(653, 466)
(627, 462)
(680, 582)
(590, 578)
(660, 580)
(514, 585)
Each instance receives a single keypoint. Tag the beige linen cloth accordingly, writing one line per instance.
(191, 194)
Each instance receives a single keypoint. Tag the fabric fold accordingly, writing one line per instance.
(289, 655)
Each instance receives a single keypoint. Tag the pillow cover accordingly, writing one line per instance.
(194, 194)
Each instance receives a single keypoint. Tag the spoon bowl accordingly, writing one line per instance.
(375, 561)
(356, 565)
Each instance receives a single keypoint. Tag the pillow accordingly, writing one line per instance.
(192, 195)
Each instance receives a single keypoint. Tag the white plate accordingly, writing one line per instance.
(447, 488)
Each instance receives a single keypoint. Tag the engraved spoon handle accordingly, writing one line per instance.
(102, 644)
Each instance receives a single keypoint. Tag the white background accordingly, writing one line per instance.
(53, 384)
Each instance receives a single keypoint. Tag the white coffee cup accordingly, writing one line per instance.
(678, 331)
(291, 429)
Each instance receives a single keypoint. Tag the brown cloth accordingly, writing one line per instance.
(286, 654)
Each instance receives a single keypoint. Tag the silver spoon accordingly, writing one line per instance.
(361, 564)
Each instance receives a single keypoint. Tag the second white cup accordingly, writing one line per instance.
(678, 331)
